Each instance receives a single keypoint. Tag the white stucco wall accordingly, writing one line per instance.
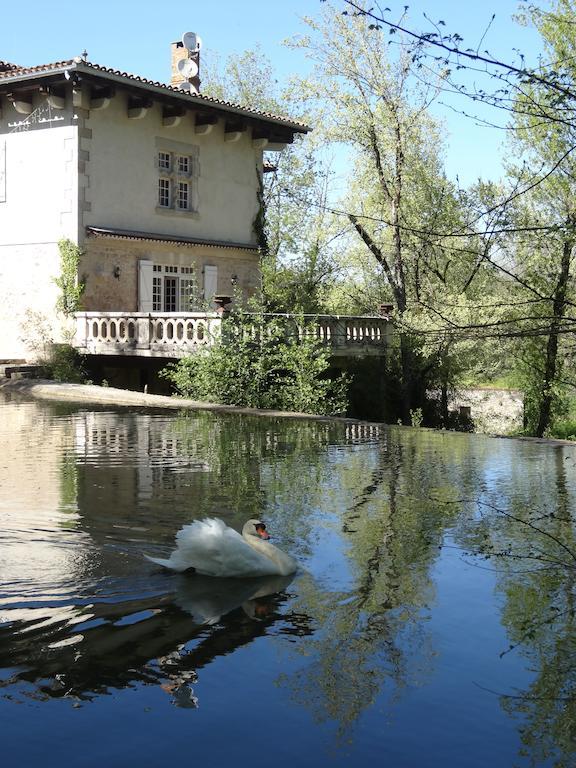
(40, 208)
(122, 188)
(66, 169)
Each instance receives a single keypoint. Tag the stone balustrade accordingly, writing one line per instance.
(176, 334)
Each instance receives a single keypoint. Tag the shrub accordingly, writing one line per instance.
(71, 290)
(64, 363)
(262, 362)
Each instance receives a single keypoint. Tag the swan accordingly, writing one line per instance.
(212, 548)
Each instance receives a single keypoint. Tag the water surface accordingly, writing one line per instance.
(430, 623)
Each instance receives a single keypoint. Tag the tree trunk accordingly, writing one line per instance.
(551, 364)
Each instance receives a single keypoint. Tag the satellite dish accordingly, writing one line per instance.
(191, 41)
(187, 67)
(186, 86)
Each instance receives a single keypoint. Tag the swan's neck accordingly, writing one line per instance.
(283, 562)
(262, 546)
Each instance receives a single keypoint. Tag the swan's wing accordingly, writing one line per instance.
(214, 549)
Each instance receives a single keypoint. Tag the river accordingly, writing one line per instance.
(430, 622)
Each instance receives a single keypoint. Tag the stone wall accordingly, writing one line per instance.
(109, 269)
(493, 411)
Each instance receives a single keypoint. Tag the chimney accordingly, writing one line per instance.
(185, 63)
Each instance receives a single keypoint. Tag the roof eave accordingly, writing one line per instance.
(161, 91)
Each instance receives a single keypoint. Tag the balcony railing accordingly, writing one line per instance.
(176, 334)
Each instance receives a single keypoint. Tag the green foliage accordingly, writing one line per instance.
(564, 430)
(416, 417)
(71, 288)
(293, 229)
(64, 363)
(262, 362)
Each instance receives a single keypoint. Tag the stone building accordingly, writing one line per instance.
(158, 184)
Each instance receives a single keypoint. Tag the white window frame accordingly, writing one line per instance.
(164, 192)
(165, 161)
(178, 171)
(182, 195)
(186, 291)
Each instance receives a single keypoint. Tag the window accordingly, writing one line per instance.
(156, 293)
(170, 294)
(178, 173)
(183, 196)
(164, 193)
(164, 159)
(174, 289)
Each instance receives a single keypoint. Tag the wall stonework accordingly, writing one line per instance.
(493, 411)
(28, 321)
(39, 209)
(107, 293)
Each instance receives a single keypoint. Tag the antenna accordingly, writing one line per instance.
(191, 41)
(188, 68)
(189, 65)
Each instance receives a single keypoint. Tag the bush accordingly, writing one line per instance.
(564, 430)
(64, 363)
(262, 362)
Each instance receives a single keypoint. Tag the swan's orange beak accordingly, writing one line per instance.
(262, 532)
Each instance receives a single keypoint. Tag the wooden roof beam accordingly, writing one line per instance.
(21, 103)
(138, 108)
(172, 116)
(204, 123)
(100, 98)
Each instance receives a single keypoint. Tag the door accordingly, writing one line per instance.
(170, 294)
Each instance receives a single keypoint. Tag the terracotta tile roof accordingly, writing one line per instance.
(129, 234)
(6, 65)
(81, 66)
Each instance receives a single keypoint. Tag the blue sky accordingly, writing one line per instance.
(135, 37)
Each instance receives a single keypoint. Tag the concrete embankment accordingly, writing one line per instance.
(90, 393)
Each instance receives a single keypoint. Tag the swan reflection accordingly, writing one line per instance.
(207, 599)
(163, 639)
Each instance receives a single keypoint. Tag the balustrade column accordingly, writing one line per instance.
(82, 330)
(143, 332)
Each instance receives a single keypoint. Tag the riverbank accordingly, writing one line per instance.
(90, 393)
(95, 395)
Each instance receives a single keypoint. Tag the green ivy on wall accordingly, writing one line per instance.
(71, 288)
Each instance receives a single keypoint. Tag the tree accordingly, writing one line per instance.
(399, 197)
(537, 244)
(545, 259)
(294, 230)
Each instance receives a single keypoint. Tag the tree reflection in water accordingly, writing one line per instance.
(372, 636)
(532, 545)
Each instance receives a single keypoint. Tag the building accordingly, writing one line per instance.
(158, 184)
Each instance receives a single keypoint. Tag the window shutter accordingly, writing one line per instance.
(145, 285)
(210, 283)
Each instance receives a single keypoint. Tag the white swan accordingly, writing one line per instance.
(211, 548)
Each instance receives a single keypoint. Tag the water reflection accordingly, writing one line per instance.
(531, 542)
(378, 619)
(163, 639)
